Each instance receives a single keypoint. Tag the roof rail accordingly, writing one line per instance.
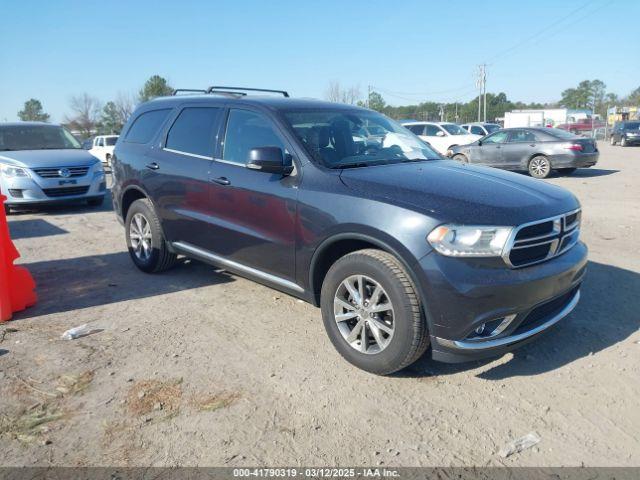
(190, 90)
(221, 89)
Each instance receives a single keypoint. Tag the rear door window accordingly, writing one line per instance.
(194, 131)
(146, 126)
(476, 130)
(417, 129)
(519, 136)
(247, 130)
(432, 130)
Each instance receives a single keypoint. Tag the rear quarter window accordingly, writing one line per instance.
(146, 126)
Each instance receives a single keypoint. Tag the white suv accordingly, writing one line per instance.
(102, 148)
(441, 135)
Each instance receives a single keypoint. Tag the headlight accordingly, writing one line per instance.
(10, 171)
(469, 241)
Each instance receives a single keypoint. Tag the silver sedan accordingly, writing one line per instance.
(538, 151)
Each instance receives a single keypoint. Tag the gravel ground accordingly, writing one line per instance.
(198, 367)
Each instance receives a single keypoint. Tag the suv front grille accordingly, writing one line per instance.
(64, 192)
(61, 172)
(539, 241)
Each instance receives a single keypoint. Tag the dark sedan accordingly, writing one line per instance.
(538, 151)
(626, 133)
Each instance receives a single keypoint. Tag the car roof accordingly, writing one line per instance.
(269, 101)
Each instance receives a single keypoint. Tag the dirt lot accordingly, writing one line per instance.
(198, 367)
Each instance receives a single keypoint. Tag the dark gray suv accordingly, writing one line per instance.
(403, 250)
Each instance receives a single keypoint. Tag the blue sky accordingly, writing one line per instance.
(409, 50)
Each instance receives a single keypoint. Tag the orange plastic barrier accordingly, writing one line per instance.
(16, 285)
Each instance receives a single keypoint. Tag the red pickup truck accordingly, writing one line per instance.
(581, 126)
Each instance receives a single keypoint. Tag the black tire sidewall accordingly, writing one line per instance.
(394, 355)
(157, 238)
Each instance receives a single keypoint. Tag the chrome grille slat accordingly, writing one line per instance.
(564, 235)
(54, 172)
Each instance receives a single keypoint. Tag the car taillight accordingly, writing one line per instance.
(576, 147)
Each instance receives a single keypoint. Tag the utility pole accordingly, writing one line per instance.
(481, 84)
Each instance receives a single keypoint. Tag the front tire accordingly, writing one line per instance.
(371, 312)
(145, 240)
(539, 167)
(612, 141)
(461, 158)
(623, 141)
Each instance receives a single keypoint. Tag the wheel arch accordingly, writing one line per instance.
(338, 245)
(130, 195)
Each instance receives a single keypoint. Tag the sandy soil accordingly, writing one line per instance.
(198, 367)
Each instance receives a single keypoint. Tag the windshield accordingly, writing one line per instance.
(36, 137)
(110, 141)
(340, 138)
(491, 127)
(454, 129)
(632, 126)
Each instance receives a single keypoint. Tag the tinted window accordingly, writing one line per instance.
(417, 129)
(498, 137)
(476, 130)
(194, 131)
(432, 130)
(100, 142)
(247, 130)
(146, 126)
(632, 126)
(522, 136)
(111, 141)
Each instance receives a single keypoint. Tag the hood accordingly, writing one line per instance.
(48, 158)
(462, 193)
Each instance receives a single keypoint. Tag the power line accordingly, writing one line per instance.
(511, 49)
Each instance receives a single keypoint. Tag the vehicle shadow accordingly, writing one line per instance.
(608, 313)
(33, 228)
(71, 284)
(588, 173)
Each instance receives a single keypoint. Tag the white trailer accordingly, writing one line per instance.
(524, 118)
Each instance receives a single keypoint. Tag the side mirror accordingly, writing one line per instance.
(440, 134)
(479, 143)
(269, 160)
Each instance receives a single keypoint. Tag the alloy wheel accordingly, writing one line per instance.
(140, 236)
(540, 167)
(364, 314)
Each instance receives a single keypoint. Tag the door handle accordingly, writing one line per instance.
(152, 166)
(532, 144)
(221, 181)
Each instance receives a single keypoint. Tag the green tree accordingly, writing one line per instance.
(110, 122)
(33, 112)
(633, 99)
(156, 86)
(376, 102)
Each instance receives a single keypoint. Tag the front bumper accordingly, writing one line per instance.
(35, 190)
(633, 140)
(461, 295)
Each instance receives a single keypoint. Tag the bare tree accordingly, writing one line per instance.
(125, 103)
(86, 112)
(335, 93)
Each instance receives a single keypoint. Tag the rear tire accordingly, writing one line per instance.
(395, 331)
(623, 141)
(108, 160)
(539, 167)
(145, 240)
(567, 171)
(612, 141)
